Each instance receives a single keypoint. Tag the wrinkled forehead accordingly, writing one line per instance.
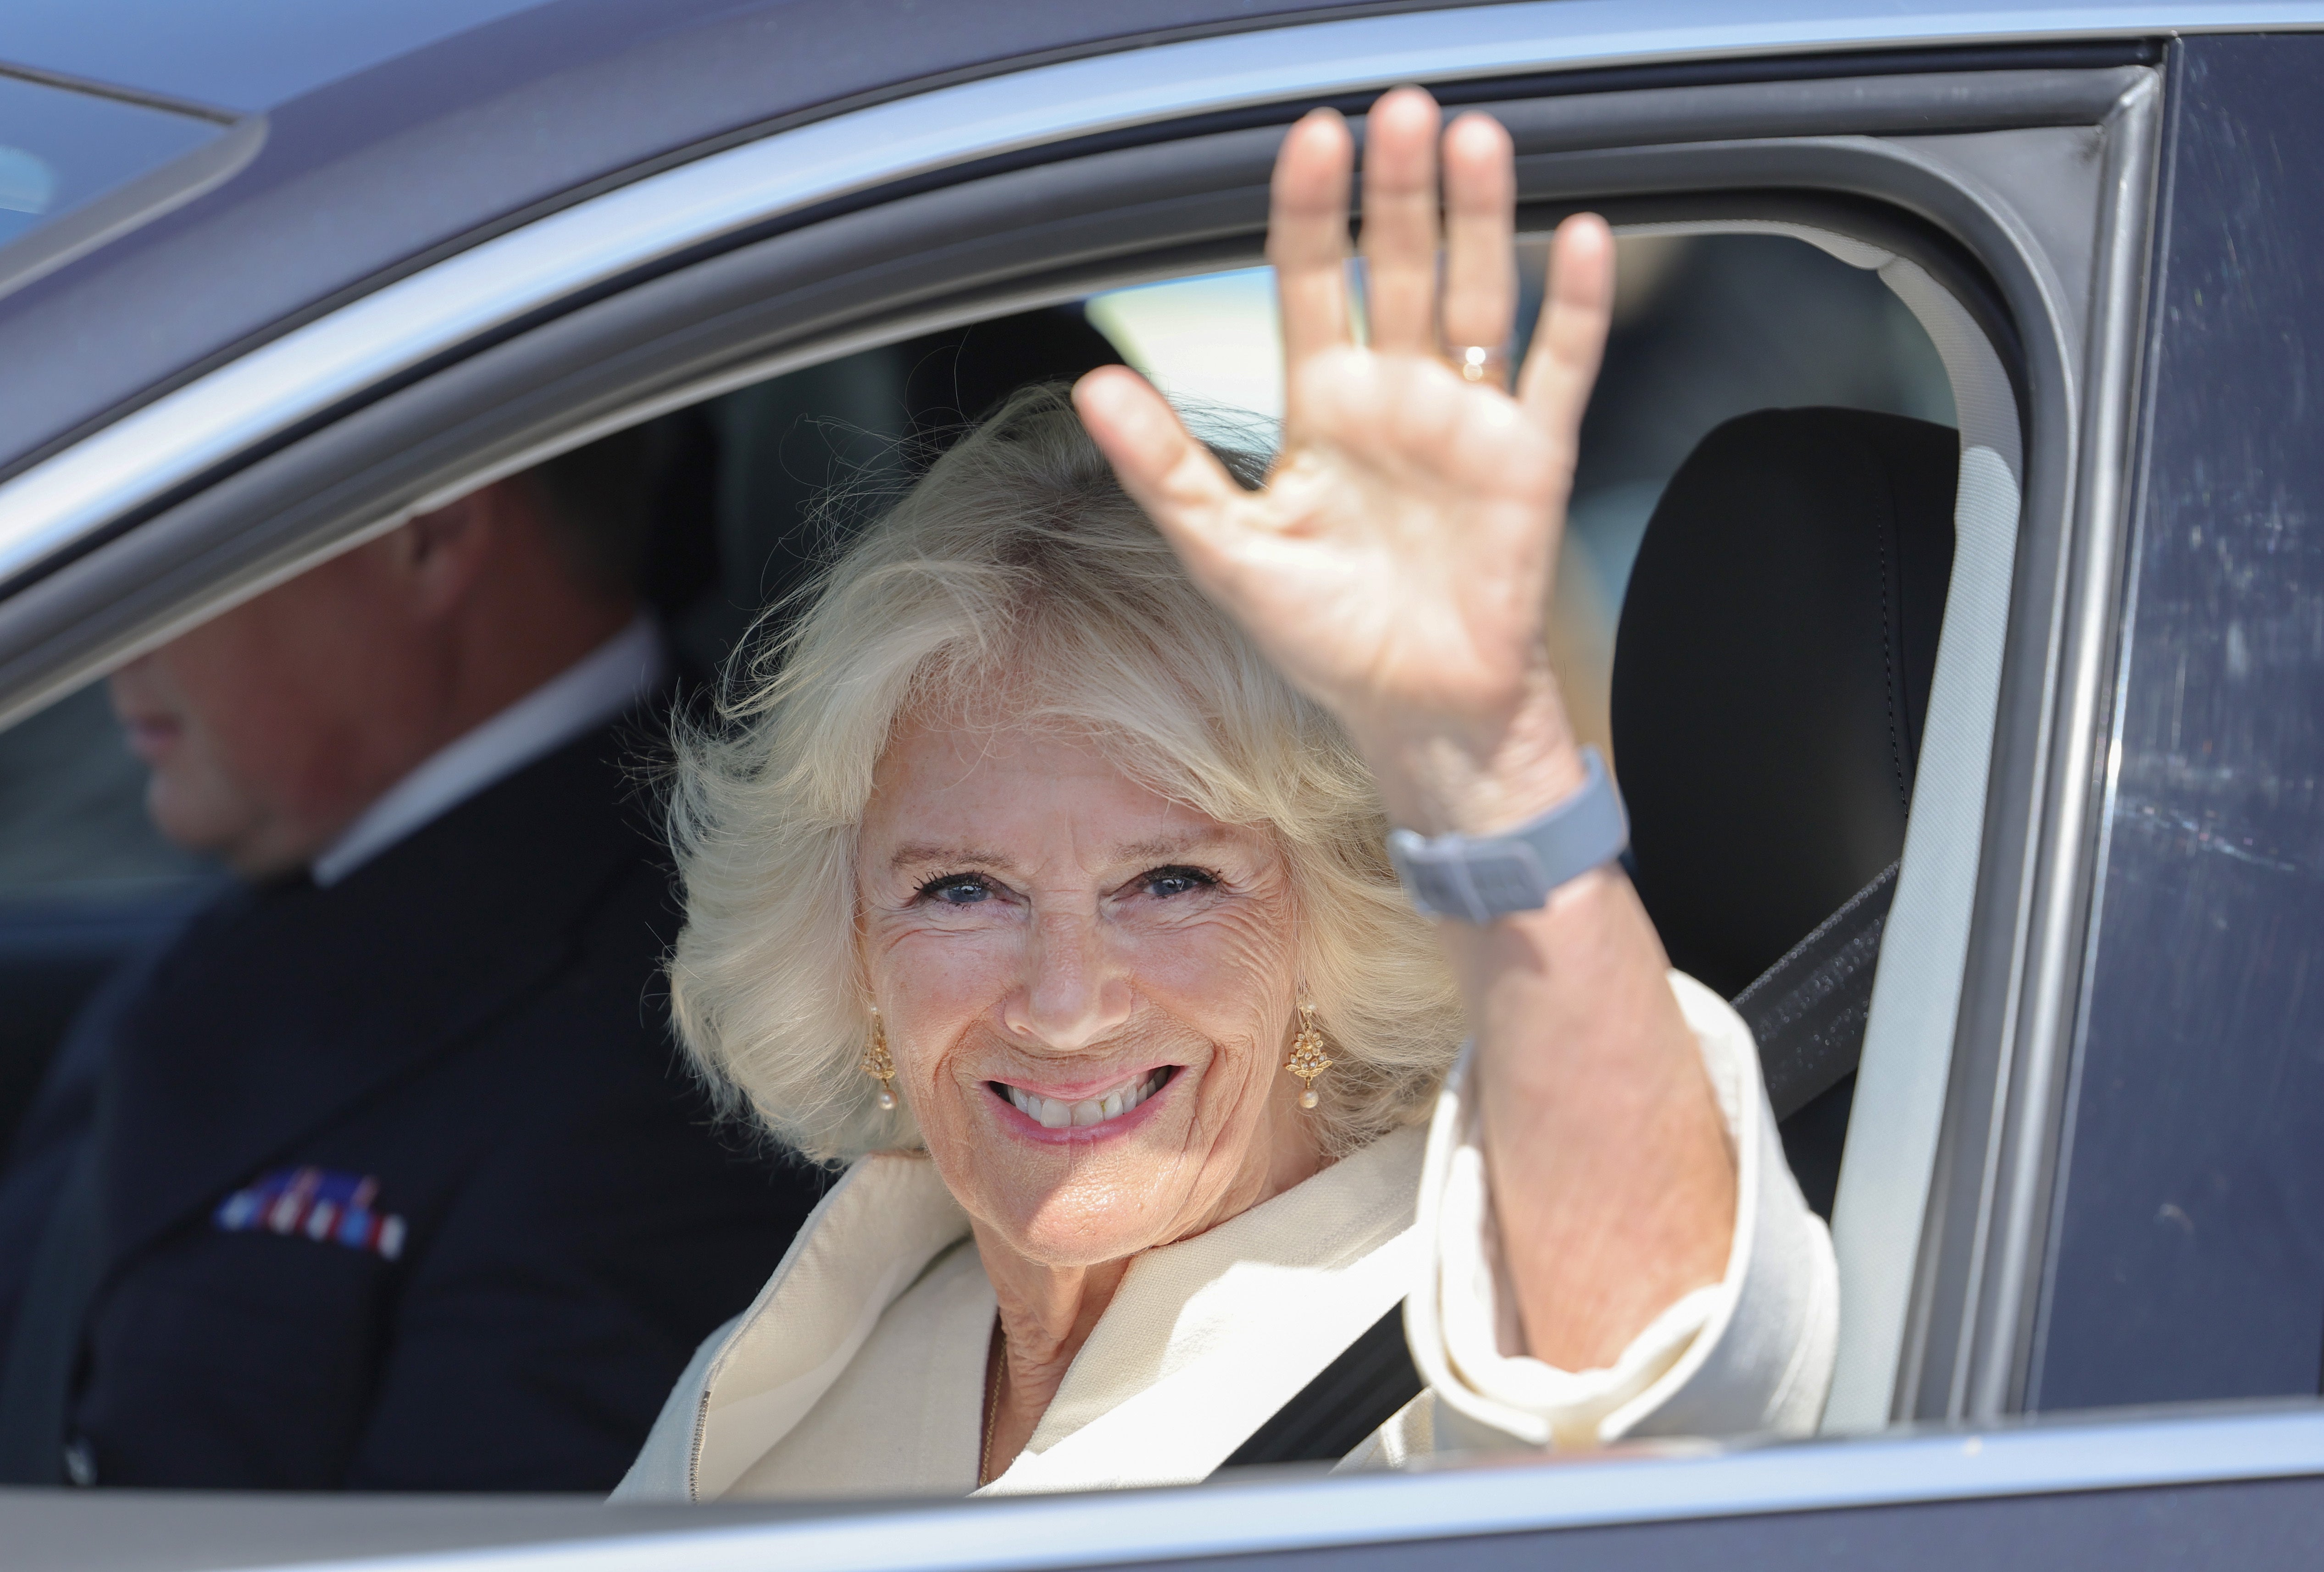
(1086, 699)
(1033, 790)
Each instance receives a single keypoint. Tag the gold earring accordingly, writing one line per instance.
(879, 1065)
(1308, 1059)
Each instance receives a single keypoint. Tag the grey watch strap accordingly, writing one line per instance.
(1478, 878)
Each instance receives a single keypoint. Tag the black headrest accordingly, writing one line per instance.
(1771, 672)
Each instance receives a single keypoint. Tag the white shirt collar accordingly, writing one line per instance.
(1204, 1340)
(584, 695)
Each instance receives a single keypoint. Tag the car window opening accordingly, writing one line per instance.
(1753, 381)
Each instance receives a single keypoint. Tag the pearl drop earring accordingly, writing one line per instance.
(879, 1065)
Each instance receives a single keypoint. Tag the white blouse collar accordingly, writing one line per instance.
(1203, 1341)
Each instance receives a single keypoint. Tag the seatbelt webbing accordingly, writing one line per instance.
(1808, 1011)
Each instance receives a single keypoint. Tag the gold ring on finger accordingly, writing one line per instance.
(1478, 362)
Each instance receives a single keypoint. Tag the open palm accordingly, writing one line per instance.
(1397, 564)
(1398, 567)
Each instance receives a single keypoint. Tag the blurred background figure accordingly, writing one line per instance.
(376, 1169)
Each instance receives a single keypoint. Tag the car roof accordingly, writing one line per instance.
(371, 139)
(253, 56)
(391, 132)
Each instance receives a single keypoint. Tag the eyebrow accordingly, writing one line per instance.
(1161, 849)
(922, 852)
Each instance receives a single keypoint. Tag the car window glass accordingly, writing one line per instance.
(60, 148)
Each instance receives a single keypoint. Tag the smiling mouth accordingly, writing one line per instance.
(1052, 1114)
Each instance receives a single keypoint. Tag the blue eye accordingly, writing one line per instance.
(1165, 882)
(957, 889)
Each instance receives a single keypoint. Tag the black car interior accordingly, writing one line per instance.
(1771, 673)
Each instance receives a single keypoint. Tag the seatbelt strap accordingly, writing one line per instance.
(1807, 1012)
(1330, 1417)
(43, 1354)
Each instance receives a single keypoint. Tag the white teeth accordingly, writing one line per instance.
(1051, 1114)
(1041, 1110)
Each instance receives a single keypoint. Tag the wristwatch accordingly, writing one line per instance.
(1478, 878)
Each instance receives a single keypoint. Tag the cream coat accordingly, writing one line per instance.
(860, 1370)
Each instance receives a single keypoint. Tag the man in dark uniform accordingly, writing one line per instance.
(385, 1172)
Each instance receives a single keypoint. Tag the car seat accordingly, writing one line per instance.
(1771, 672)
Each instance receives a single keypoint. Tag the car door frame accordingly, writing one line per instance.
(308, 442)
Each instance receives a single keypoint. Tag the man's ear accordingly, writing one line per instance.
(442, 554)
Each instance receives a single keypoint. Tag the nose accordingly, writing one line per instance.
(1073, 991)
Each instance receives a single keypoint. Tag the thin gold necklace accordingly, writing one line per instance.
(993, 1356)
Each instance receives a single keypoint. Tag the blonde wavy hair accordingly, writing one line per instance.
(1017, 583)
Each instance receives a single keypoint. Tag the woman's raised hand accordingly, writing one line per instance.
(1398, 567)
(1397, 564)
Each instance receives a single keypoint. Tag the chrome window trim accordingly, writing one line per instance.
(1306, 1512)
(302, 375)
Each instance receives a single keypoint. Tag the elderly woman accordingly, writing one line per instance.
(1045, 879)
